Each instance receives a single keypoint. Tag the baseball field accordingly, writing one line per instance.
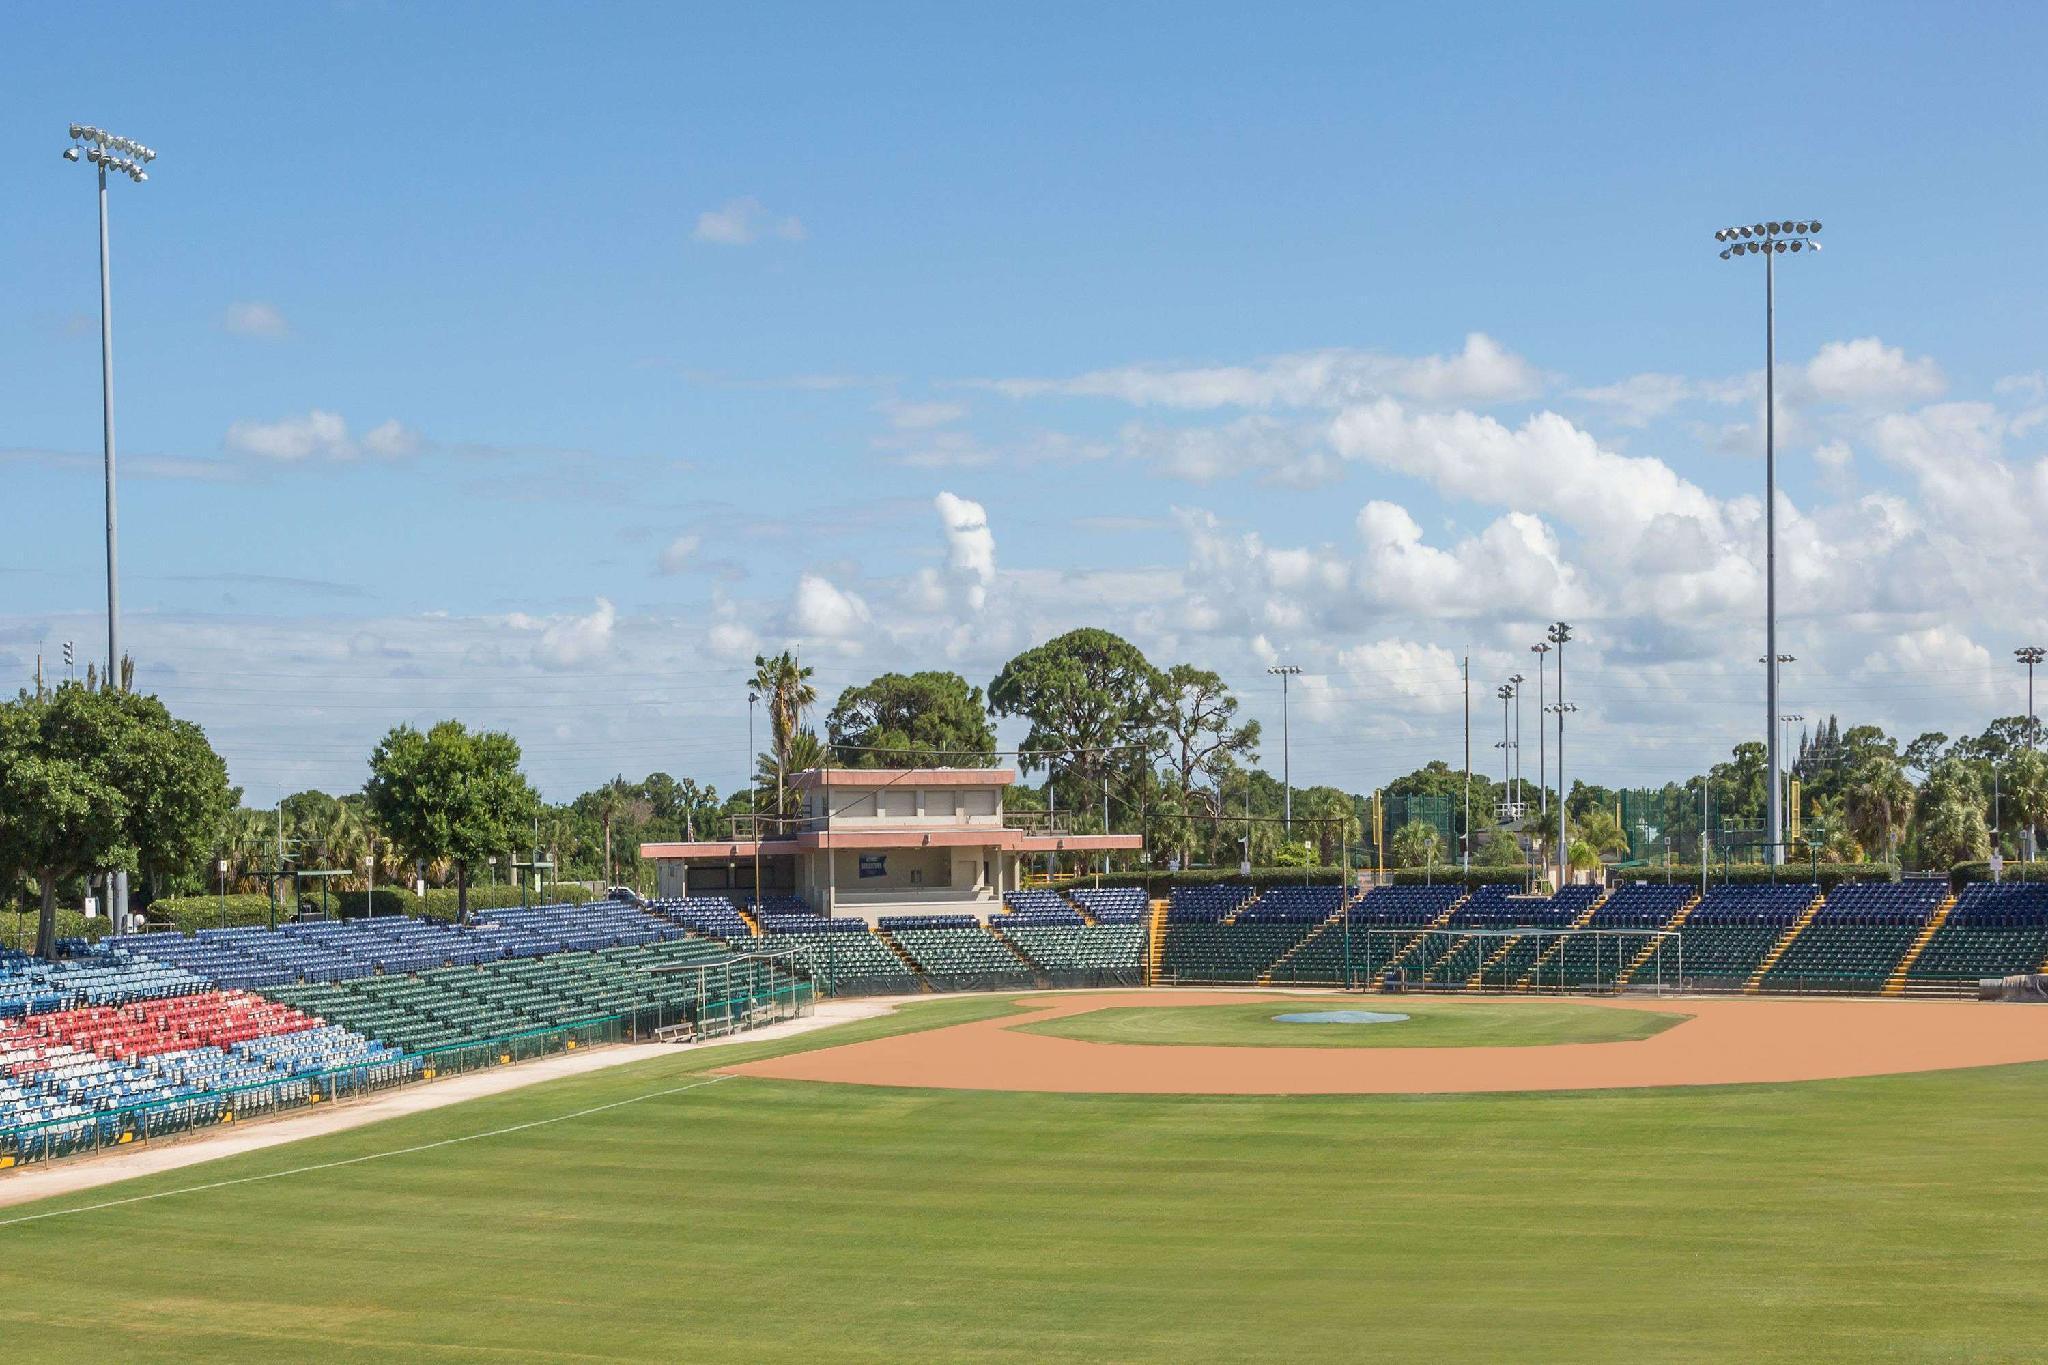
(670, 1210)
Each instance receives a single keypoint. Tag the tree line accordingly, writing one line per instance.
(96, 777)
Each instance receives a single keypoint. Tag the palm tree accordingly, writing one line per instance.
(785, 685)
(805, 751)
(1876, 802)
(1601, 831)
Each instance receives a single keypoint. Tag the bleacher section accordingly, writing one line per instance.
(706, 914)
(103, 1074)
(1294, 905)
(1205, 904)
(1732, 930)
(1860, 932)
(339, 950)
(963, 959)
(105, 977)
(455, 1006)
(1202, 951)
(1079, 955)
(1993, 930)
(1111, 904)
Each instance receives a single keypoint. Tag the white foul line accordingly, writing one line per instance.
(354, 1160)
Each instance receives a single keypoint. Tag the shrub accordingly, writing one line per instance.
(18, 931)
(1965, 873)
(188, 913)
(1750, 874)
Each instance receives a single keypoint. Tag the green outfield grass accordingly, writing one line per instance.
(1430, 1023)
(1894, 1218)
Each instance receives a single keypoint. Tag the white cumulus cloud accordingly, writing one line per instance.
(678, 554)
(567, 641)
(255, 318)
(823, 610)
(318, 435)
(1868, 371)
(970, 545)
(744, 221)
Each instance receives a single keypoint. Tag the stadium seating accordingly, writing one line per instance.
(1994, 929)
(1205, 904)
(452, 1006)
(1111, 904)
(1199, 951)
(1079, 955)
(706, 914)
(95, 1074)
(1294, 905)
(969, 958)
(845, 963)
(106, 977)
(1733, 929)
(1857, 937)
(1404, 906)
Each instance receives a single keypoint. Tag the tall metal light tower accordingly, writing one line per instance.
(1286, 671)
(1542, 763)
(1770, 240)
(1558, 634)
(2030, 655)
(124, 156)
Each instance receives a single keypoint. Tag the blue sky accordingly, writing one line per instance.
(537, 365)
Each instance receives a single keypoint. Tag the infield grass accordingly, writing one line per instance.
(1894, 1218)
(1430, 1023)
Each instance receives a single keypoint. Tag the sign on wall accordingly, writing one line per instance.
(874, 864)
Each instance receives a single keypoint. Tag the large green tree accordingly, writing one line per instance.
(1200, 740)
(1087, 694)
(450, 793)
(913, 720)
(103, 780)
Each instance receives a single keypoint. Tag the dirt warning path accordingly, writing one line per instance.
(1726, 1042)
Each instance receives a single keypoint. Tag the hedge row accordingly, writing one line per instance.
(211, 912)
(18, 930)
(2014, 871)
(1831, 875)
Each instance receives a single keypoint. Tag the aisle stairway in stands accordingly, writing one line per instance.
(1401, 960)
(1155, 940)
(1895, 983)
(1649, 951)
(1334, 924)
(1755, 984)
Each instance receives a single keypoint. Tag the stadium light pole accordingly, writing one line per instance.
(1558, 634)
(1286, 671)
(1514, 788)
(2030, 655)
(1542, 763)
(1465, 842)
(124, 156)
(1506, 693)
(1770, 240)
